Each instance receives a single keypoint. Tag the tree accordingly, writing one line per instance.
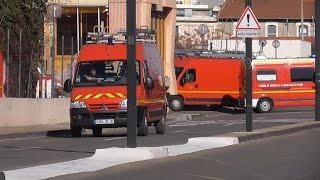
(26, 16)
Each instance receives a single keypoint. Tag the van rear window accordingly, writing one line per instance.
(301, 74)
(266, 75)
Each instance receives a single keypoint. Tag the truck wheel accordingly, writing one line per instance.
(97, 132)
(176, 103)
(143, 128)
(160, 126)
(76, 131)
(264, 105)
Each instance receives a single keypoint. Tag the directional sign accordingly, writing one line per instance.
(248, 21)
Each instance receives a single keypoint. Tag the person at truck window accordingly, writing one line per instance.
(92, 76)
(123, 72)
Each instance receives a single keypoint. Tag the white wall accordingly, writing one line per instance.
(30, 112)
(287, 49)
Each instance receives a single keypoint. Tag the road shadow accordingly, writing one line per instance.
(66, 133)
(222, 109)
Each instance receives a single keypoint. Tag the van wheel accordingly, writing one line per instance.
(264, 105)
(76, 131)
(143, 128)
(160, 126)
(97, 132)
(176, 103)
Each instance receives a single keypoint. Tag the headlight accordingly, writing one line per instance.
(78, 104)
(124, 104)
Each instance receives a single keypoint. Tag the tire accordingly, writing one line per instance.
(97, 132)
(143, 127)
(264, 105)
(76, 131)
(161, 126)
(176, 103)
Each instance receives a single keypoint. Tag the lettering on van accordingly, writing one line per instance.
(280, 85)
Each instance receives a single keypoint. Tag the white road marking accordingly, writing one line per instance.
(111, 139)
(176, 131)
(261, 118)
(17, 139)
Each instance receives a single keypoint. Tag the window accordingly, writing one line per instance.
(301, 74)
(178, 71)
(177, 30)
(305, 30)
(179, 1)
(272, 31)
(190, 76)
(267, 75)
(103, 73)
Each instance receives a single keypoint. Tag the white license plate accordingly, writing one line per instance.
(104, 121)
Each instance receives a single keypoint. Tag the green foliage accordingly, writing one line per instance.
(26, 16)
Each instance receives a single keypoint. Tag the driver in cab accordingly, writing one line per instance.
(92, 75)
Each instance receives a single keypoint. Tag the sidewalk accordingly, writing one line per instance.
(32, 130)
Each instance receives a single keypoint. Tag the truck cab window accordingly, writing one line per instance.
(178, 71)
(190, 76)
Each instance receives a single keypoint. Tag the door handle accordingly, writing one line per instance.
(196, 86)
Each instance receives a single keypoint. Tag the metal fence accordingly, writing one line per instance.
(36, 76)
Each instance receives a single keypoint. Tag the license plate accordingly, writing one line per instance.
(104, 121)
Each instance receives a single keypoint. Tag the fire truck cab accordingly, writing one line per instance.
(99, 85)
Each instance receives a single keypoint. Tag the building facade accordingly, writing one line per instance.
(196, 22)
(68, 32)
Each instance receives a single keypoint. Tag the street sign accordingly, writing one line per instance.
(248, 21)
(275, 43)
(248, 25)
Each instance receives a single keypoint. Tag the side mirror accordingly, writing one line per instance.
(67, 85)
(149, 84)
(166, 82)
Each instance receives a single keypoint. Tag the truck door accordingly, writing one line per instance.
(188, 85)
(302, 92)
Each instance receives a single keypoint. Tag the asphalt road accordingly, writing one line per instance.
(290, 157)
(21, 152)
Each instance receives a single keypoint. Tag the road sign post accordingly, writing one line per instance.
(248, 27)
(131, 86)
(276, 45)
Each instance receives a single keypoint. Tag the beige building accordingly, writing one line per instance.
(82, 16)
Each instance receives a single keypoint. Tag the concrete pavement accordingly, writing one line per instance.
(80, 165)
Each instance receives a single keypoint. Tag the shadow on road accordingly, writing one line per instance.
(85, 133)
(222, 109)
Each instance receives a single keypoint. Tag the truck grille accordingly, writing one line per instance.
(108, 107)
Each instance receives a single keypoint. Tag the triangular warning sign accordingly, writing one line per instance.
(248, 21)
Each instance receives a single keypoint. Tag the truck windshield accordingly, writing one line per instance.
(104, 73)
(178, 71)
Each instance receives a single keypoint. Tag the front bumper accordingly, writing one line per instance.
(86, 119)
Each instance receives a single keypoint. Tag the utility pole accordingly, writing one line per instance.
(302, 21)
(131, 86)
(317, 60)
(248, 61)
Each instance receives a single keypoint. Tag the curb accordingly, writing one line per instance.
(273, 131)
